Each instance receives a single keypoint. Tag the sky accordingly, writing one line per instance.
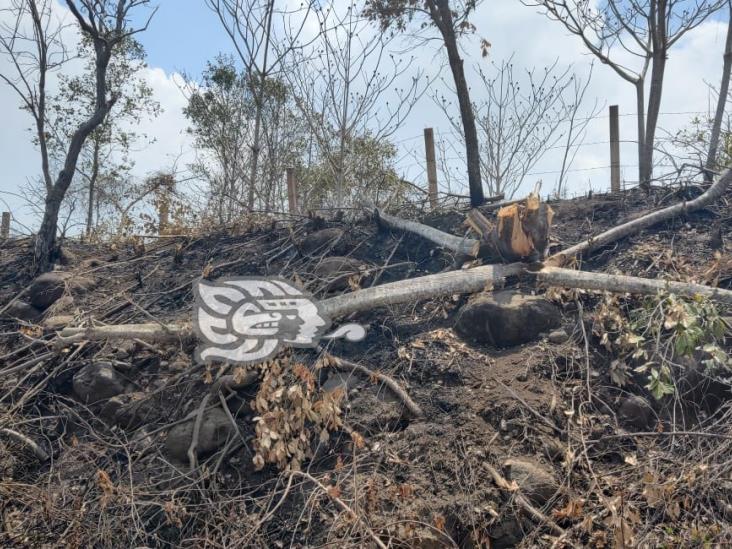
(184, 34)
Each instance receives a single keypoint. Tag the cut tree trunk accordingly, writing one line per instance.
(462, 245)
(521, 232)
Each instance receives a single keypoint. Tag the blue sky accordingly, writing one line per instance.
(183, 35)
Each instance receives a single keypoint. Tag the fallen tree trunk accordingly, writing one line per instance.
(438, 285)
(568, 278)
(424, 287)
(712, 194)
(146, 332)
(462, 245)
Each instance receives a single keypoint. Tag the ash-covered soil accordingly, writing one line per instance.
(603, 463)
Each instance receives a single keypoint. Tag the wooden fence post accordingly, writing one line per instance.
(429, 148)
(5, 227)
(291, 191)
(614, 149)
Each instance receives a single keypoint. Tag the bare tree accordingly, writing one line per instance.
(646, 30)
(346, 88)
(521, 118)
(711, 163)
(451, 18)
(249, 25)
(105, 24)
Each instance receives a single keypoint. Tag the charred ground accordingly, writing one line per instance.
(554, 405)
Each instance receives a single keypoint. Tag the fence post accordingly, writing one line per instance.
(614, 149)
(429, 148)
(291, 191)
(5, 227)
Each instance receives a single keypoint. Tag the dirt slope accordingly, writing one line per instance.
(550, 405)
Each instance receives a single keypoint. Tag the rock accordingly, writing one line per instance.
(80, 284)
(23, 311)
(636, 412)
(534, 480)
(507, 533)
(67, 257)
(506, 318)
(130, 409)
(62, 306)
(58, 322)
(216, 428)
(558, 336)
(321, 242)
(340, 380)
(46, 289)
(98, 381)
(700, 388)
(336, 271)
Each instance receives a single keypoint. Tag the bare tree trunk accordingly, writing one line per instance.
(442, 16)
(659, 37)
(711, 163)
(640, 104)
(92, 185)
(259, 106)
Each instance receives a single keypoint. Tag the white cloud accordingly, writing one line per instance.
(511, 28)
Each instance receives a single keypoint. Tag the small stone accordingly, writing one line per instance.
(558, 336)
(23, 311)
(216, 428)
(635, 411)
(340, 380)
(129, 410)
(534, 480)
(63, 305)
(98, 381)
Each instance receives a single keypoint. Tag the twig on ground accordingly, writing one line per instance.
(39, 452)
(343, 506)
(346, 365)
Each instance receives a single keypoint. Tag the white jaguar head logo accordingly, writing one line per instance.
(246, 320)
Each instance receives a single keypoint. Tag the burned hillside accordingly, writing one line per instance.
(529, 415)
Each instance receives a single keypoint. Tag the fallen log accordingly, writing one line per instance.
(462, 245)
(474, 280)
(568, 278)
(712, 194)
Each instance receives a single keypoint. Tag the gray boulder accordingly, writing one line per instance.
(506, 318)
(98, 381)
(216, 428)
(322, 242)
(336, 271)
(47, 289)
(23, 311)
